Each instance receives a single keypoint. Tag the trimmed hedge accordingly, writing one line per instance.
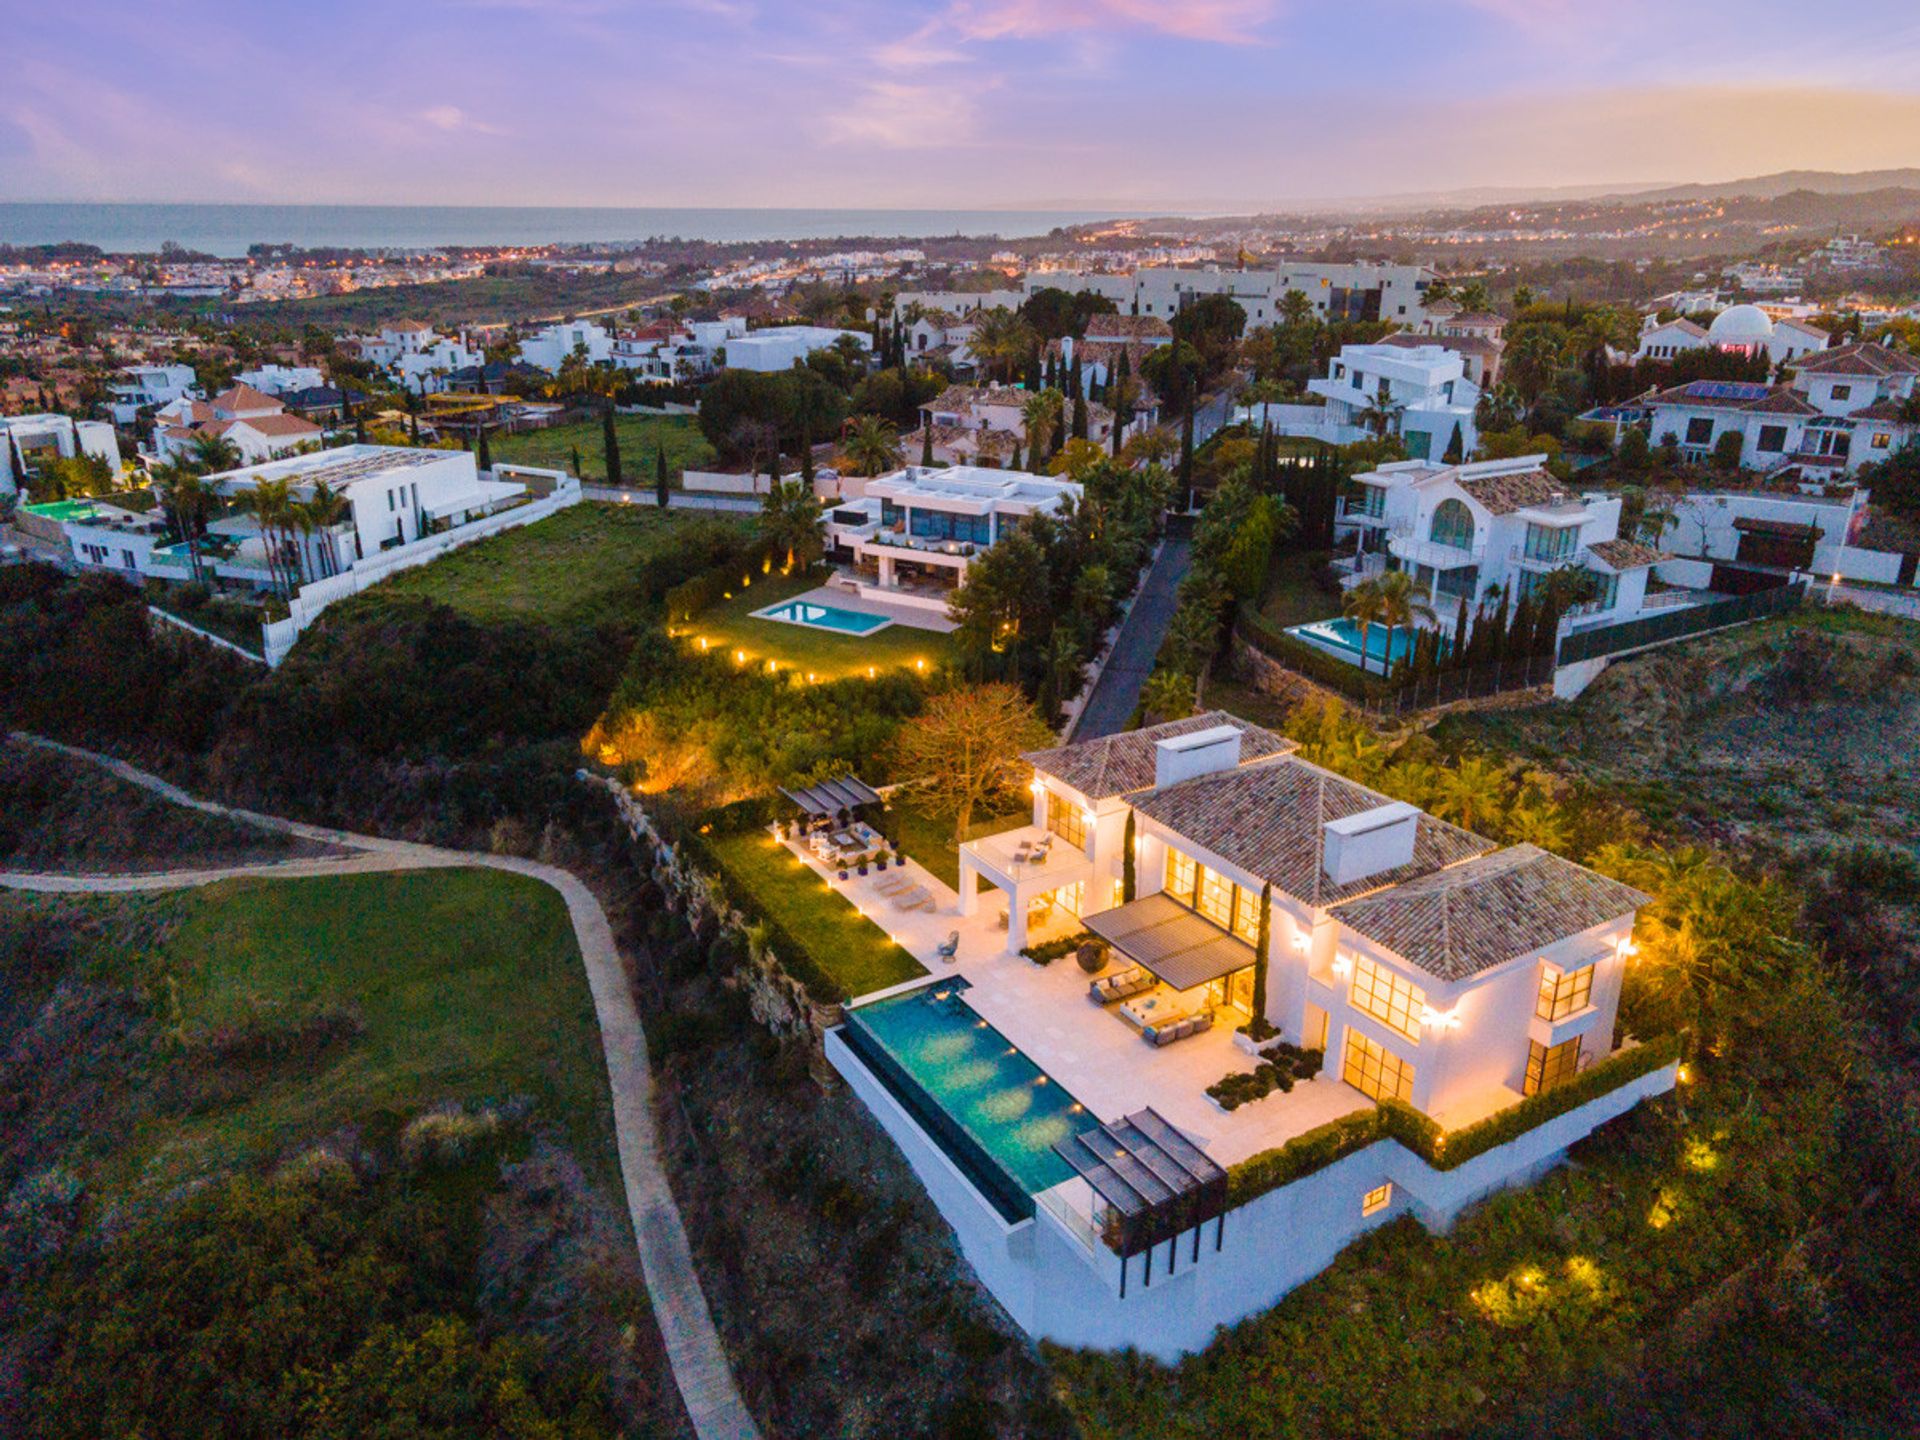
(1051, 951)
(1270, 640)
(694, 597)
(1396, 1120)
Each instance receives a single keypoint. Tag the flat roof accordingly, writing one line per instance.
(337, 467)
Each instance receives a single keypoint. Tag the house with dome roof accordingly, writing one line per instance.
(1738, 330)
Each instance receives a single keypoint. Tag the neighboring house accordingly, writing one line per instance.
(958, 303)
(280, 379)
(1359, 291)
(940, 337)
(671, 351)
(1422, 391)
(1844, 408)
(1737, 330)
(29, 440)
(257, 424)
(1462, 530)
(1479, 354)
(551, 346)
(1775, 531)
(781, 347)
(427, 370)
(1433, 968)
(915, 533)
(146, 387)
(1000, 408)
(397, 338)
(1100, 348)
(1663, 340)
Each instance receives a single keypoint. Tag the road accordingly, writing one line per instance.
(1886, 602)
(1117, 690)
(694, 1353)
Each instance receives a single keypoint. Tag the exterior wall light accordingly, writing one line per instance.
(1343, 964)
(1439, 1020)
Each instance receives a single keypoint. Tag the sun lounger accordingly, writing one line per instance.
(1041, 851)
(1110, 989)
(1022, 852)
(948, 948)
(918, 898)
(893, 883)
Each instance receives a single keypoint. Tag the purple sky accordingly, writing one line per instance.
(942, 103)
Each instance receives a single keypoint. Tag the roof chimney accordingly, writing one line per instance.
(1200, 753)
(1370, 842)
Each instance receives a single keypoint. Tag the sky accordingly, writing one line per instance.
(1047, 104)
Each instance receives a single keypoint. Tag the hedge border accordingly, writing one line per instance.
(1263, 635)
(1396, 1120)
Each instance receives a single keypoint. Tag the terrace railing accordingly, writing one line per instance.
(1678, 623)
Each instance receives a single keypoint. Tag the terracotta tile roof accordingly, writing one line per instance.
(1890, 409)
(1751, 397)
(1459, 344)
(1863, 358)
(1504, 494)
(1626, 554)
(1476, 317)
(1128, 327)
(1119, 764)
(1457, 922)
(278, 425)
(399, 327)
(1270, 819)
(241, 398)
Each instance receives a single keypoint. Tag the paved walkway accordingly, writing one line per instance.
(694, 1352)
(1117, 690)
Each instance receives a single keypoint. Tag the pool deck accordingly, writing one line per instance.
(917, 617)
(1099, 1057)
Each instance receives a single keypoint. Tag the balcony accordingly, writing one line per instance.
(1529, 558)
(1435, 554)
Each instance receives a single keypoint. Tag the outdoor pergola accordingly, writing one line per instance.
(1155, 1183)
(1167, 938)
(832, 798)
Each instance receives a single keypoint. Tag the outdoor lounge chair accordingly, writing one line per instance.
(949, 948)
(1022, 852)
(917, 898)
(1041, 851)
(894, 882)
(1111, 989)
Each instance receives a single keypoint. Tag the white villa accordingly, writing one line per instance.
(1422, 389)
(27, 439)
(281, 379)
(1461, 530)
(1429, 972)
(671, 351)
(1843, 408)
(549, 347)
(781, 347)
(1737, 330)
(915, 532)
(1361, 290)
(141, 386)
(257, 424)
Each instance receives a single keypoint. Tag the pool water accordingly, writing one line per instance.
(1343, 634)
(62, 510)
(963, 1075)
(824, 617)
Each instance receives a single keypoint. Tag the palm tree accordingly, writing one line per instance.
(325, 509)
(1167, 695)
(790, 521)
(1473, 793)
(268, 502)
(1002, 341)
(1038, 415)
(1402, 602)
(1366, 607)
(210, 454)
(187, 501)
(1381, 416)
(872, 446)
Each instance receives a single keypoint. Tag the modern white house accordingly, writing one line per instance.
(257, 424)
(913, 535)
(1737, 330)
(1420, 393)
(958, 303)
(548, 348)
(1463, 530)
(147, 387)
(781, 347)
(1362, 290)
(281, 379)
(1843, 408)
(1423, 977)
(26, 440)
(671, 351)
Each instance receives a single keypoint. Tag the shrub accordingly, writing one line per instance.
(1316, 665)
(1053, 949)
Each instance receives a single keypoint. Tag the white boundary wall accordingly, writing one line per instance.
(1060, 1285)
(315, 596)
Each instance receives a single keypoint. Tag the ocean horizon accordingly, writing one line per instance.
(228, 230)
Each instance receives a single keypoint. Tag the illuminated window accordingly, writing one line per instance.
(1246, 914)
(1070, 898)
(1377, 1199)
(1215, 900)
(1066, 819)
(1375, 1071)
(1387, 997)
(1562, 994)
(1548, 1067)
(1180, 875)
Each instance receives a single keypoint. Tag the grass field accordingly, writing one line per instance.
(580, 565)
(730, 626)
(846, 947)
(466, 984)
(640, 436)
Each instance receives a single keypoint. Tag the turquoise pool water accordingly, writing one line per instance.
(995, 1112)
(62, 510)
(824, 617)
(1343, 634)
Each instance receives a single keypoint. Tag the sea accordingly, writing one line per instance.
(227, 230)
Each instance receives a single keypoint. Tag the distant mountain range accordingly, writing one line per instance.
(1772, 187)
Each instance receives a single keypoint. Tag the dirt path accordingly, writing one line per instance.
(694, 1352)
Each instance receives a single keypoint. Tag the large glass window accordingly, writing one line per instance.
(1066, 819)
(1562, 994)
(1387, 997)
(1548, 1066)
(1181, 873)
(939, 525)
(1551, 542)
(1375, 1071)
(1452, 525)
(1699, 430)
(1246, 914)
(1215, 900)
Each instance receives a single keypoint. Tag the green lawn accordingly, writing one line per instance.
(467, 985)
(582, 564)
(730, 626)
(847, 949)
(1292, 597)
(640, 436)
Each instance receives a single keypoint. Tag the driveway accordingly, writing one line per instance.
(1117, 691)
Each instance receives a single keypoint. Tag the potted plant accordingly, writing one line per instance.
(843, 872)
(881, 862)
(862, 866)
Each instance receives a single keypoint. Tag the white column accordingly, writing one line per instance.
(969, 885)
(1016, 922)
(886, 570)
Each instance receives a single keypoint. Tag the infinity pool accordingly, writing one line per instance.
(994, 1112)
(824, 617)
(1344, 636)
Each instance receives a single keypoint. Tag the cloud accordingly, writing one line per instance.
(453, 120)
(894, 115)
(1228, 22)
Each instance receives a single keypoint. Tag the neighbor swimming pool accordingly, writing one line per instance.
(824, 617)
(993, 1111)
(63, 510)
(1343, 636)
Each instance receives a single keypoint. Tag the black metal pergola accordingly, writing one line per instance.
(830, 798)
(1156, 1183)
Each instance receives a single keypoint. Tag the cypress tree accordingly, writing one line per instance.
(1261, 947)
(610, 439)
(577, 467)
(1059, 436)
(806, 454)
(1079, 418)
(486, 453)
(660, 491)
(926, 444)
(1128, 877)
(1456, 448)
(1074, 388)
(1460, 641)
(1013, 462)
